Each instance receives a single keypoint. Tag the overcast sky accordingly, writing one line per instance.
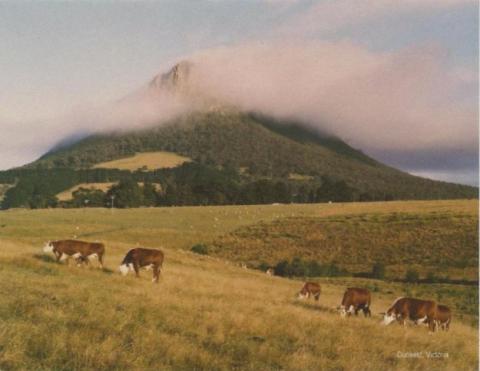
(397, 79)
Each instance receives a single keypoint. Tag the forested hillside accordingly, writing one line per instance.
(237, 158)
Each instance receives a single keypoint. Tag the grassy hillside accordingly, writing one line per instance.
(438, 243)
(206, 313)
(147, 161)
(263, 148)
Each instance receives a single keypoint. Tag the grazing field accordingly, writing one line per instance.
(436, 243)
(206, 313)
(146, 160)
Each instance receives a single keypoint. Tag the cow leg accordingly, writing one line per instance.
(366, 312)
(156, 273)
(136, 269)
(317, 296)
(431, 324)
(356, 311)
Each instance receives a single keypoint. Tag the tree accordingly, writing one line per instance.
(127, 194)
(149, 194)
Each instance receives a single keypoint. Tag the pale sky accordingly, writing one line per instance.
(58, 57)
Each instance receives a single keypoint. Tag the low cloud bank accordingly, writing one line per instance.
(406, 101)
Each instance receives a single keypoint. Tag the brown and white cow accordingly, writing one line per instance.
(417, 310)
(355, 299)
(81, 251)
(310, 289)
(443, 317)
(142, 258)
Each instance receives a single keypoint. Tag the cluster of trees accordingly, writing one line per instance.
(188, 184)
(298, 267)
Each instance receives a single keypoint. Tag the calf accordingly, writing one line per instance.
(443, 317)
(355, 299)
(142, 258)
(81, 251)
(417, 310)
(310, 289)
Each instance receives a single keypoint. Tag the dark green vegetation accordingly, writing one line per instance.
(374, 244)
(238, 159)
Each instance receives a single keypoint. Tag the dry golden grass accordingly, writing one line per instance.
(431, 240)
(67, 195)
(295, 176)
(205, 313)
(149, 160)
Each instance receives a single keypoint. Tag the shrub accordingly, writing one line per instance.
(200, 249)
(378, 271)
(411, 276)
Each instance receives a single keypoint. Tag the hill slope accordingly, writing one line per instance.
(262, 147)
(205, 313)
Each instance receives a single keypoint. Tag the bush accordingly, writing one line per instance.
(200, 249)
(412, 276)
(378, 271)
(307, 268)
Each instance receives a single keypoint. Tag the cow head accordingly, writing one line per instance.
(344, 312)
(125, 268)
(388, 318)
(48, 247)
(302, 294)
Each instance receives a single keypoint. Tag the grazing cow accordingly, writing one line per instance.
(270, 272)
(443, 317)
(310, 289)
(142, 258)
(419, 311)
(81, 251)
(355, 299)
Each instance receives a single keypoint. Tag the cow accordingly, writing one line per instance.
(142, 258)
(81, 251)
(310, 289)
(355, 299)
(270, 272)
(417, 310)
(443, 317)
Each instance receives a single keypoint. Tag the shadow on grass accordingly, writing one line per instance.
(107, 271)
(49, 259)
(314, 305)
(45, 258)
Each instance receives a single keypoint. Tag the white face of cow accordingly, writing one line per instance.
(301, 296)
(48, 247)
(388, 318)
(342, 310)
(124, 269)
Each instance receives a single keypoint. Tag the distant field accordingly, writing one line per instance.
(147, 160)
(206, 313)
(439, 243)
(67, 195)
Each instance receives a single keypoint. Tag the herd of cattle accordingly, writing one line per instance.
(83, 252)
(354, 299)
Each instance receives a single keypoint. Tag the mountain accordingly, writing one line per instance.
(240, 148)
